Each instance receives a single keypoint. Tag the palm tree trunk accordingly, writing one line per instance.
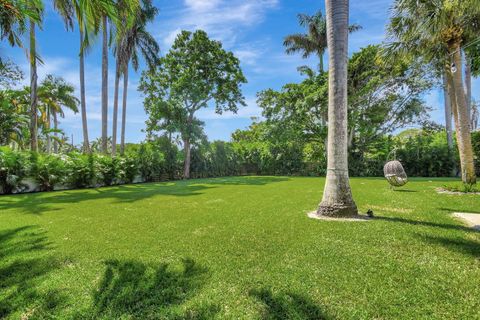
(337, 197)
(448, 114)
(47, 125)
(55, 126)
(468, 88)
(124, 108)
(83, 103)
(462, 126)
(33, 89)
(104, 86)
(115, 110)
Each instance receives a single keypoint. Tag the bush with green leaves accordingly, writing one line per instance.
(48, 170)
(151, 162)
(81, 170)
(108, 169)
(14, 167)
(127, 168)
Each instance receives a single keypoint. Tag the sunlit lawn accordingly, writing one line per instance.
(238, 248)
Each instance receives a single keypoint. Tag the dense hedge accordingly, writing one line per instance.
(422, 154)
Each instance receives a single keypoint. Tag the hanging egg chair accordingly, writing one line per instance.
(395, 174)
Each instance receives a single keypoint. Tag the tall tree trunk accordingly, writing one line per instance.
(33, 89)
(186, 163)
(320, 64)
(468, 89)
(124, 108)
(55, 126)
(462, 126)
(83, 103)
(105, 86)
(49, 139)
(337, 197)
(448, 113)
(115, 110)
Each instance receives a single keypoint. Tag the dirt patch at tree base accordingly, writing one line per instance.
(315, 215)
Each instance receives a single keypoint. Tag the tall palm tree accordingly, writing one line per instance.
(136, 42)
(313, 42)
(337, 197)
(436, 31)
(34, 78)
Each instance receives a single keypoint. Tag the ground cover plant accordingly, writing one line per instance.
(238, 248)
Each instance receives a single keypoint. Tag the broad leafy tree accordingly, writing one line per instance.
(196, 73)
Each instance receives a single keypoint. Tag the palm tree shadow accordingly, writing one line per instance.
(425, 223)
(21, 275)
(38, 203)
(465, 246)
(287, 305)
(132, 289)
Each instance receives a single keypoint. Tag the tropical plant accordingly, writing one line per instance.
(108, 168)
(134, 42)
(14, 18)
(14, 167)
(337, 197)
(13, 119)
(48, 170)
(209, 74)
(313, 42)
(436, 32)
(150, 162)
(81, 170)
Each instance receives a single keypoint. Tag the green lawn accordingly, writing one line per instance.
(238, 248)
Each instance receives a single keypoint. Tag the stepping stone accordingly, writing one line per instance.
(472, 219)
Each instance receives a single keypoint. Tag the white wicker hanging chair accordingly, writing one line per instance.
(395, 174)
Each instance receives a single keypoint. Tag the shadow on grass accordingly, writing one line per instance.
(21, 275)
(425, 223)
(288, 305)
(404, 190)
(134, 290)
(451, 210)
(38, 203)
(465, 246)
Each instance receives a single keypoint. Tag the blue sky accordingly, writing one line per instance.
(252, 29)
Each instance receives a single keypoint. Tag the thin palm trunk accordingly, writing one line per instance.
(105, 86)
(337, 197)
(468, 88)
(124, 108)
(320, 64)
(460, 115)
(55, 126)
(83, 103)
(115, 110)
(47, 126)
(33, 89)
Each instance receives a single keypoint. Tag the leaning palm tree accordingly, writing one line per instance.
(337, 197)
(437, 32)
(313, 42)
(136, 42)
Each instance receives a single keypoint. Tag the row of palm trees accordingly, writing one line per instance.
(122, 24)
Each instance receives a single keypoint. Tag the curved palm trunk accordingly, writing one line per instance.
(33, 90)
(104, 86)
(337, 197)
(115, 110)
(83, 103)
(460, 115)
(124, 108)
(55, 126)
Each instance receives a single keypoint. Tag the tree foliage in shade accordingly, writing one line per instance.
(196, 73)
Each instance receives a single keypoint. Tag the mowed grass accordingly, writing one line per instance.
(238, 248)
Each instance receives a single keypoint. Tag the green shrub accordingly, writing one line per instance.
(81, 171)
(108, 169)
(48, 170)
(128, 168)
(14, 167)
(150, 162)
